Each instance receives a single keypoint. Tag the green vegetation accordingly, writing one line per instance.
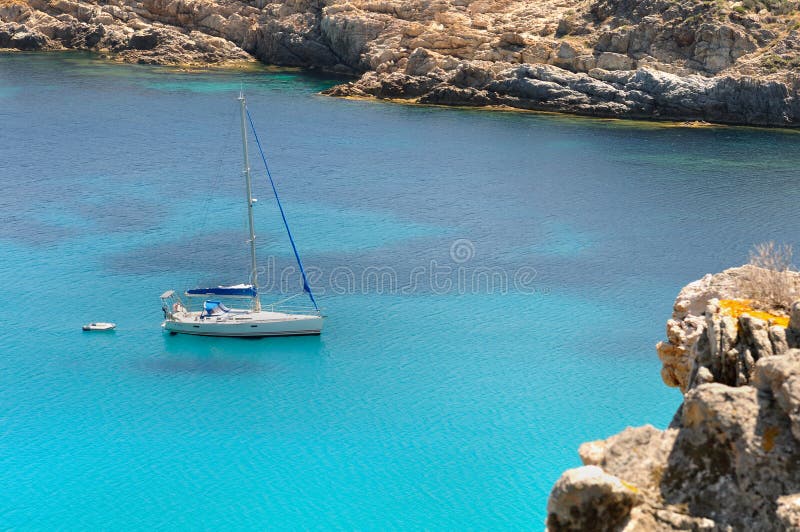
(776, 7)
(774, 63)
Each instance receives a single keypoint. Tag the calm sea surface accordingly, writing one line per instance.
(494, 285)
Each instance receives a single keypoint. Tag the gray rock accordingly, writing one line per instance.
(789, 511)
(144, 40)
(420, 62)
(731, 457)
(614, 61)
(27, 40)
(727, 347)
(586, 498)
(793, 331)
(780, 376)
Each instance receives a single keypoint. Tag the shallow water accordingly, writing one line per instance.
(435, 398)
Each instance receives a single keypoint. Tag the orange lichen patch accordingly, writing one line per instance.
(13, 2)
(768, 439)
(736, 307)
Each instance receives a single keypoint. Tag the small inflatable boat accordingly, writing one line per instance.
(99, 326)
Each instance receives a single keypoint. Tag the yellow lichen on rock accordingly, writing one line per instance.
(736, 307)
(631, 487)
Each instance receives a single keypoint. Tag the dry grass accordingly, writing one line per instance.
(771, 283)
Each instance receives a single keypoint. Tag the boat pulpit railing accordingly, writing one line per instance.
(171, 303)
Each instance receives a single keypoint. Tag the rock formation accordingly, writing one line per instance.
(726, 61)
(713, 336)
(730, 460)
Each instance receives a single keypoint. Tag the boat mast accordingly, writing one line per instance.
(253, 263)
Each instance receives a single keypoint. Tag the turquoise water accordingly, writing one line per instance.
(424, 404)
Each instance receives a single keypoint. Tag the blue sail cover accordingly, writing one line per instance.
(214, 308)
(242, 290)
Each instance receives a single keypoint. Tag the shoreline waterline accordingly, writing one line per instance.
(255, 66)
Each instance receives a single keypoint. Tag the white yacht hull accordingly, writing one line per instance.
(254, 324)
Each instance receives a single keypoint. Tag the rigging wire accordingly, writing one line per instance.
(306, 287)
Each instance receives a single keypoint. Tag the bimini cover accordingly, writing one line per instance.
(245, 290)
(214, 308)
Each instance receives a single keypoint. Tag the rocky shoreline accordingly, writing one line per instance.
(640, 94)
(682, 60)
(730, 459)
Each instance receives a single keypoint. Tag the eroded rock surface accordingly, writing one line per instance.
(730, 459)
(706, 344)
(676, 59)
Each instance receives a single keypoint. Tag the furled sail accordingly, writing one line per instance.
(239, 290)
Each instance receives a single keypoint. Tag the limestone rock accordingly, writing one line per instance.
(143, 40)
(702, 340)
(635, 454)
(421, 62)
(789, 512)
(730, 459)
(586, 498)
(781, 377)
(613, 61)
(654, 60)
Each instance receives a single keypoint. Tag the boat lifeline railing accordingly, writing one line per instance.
(307, 310)
(281, 306)
(194, 303)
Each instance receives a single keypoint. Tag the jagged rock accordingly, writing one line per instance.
(734, 455)
(143, 40)
(612, 61)
(447, 95)
(731, 457)
(696, 61)
(638, 454)
(586, 498)
(699, 335)
(789, 511)
(421, 62)
(793, 331)
(781, 377)
(27, 40)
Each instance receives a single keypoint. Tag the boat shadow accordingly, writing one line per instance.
(184, 354)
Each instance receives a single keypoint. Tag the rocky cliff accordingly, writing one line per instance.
(730, 460)
(724, 61)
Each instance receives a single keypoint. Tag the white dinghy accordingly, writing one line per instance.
(99, 326)
(243, 314)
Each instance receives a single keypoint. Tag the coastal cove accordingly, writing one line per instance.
(423, 404)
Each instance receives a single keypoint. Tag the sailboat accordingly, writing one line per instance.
(245, 316)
